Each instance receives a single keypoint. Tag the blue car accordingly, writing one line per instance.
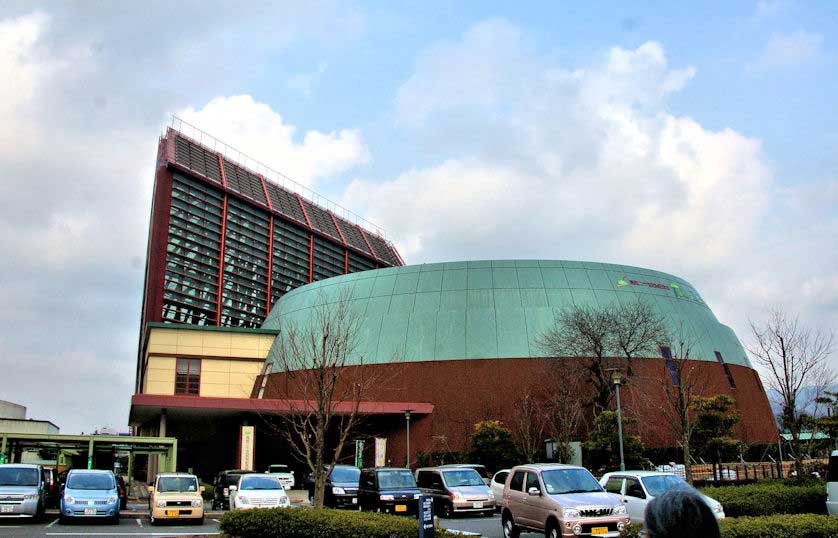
(90, 494)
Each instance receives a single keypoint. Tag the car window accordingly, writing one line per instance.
(532, 482)
(345, 474)
(396, 479)
(500, 477)
(259, 482)
(462, 477)
(367, 479)
(832, 470)
(658, 485)
(423, 479)
(564, 481)
(614, 485)
(633, 489)
(517, 482)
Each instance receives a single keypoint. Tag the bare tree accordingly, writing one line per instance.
(638, 330)
(563, 407)
(796, 361)
(324, 382)
(529, 427)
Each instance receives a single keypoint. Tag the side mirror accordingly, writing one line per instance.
(233, 488)
(202, 488)
(534, 492)
(151, 489)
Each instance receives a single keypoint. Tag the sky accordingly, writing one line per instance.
(698, 140)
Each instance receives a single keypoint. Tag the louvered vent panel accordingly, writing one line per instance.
(321, 220)
(382, 249)
(285, 202)
(244, 182)
(352, 235)
(197, 159)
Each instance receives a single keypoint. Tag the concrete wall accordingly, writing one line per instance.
(230, 361)
(27, 426)
(12, 410)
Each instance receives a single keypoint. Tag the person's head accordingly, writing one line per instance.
(680, 514)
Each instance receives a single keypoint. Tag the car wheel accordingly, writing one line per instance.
(115, 520)
(152, 519)
(62, 519)
(447, 511)
(510, 529)
(489, 513)
(199, 521)
(552, 531)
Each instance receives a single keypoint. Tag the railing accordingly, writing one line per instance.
(278, 178)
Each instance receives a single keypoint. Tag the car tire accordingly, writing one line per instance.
(510, 529)
(63, 520)
(151, 518)
(115, 520)
(552, 530)
(447, 511)
(489, 513)
(198, 521)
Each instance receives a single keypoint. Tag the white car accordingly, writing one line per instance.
(497, 482)
(832, 485)
(258, 491)
(283, 472)
(637, 488)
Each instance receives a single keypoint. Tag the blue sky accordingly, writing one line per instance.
(696, 139)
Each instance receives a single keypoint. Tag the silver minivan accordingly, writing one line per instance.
(456, 490)
(21, 490)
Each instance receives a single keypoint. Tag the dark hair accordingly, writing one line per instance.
(680, 514)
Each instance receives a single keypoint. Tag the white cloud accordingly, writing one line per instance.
(767, 9)
(256, 129)
(305, 82)
(788, 50)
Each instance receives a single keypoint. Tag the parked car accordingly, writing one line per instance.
(283, 473)
(636, 488)
(22, 491)
(456, 490)
(176, 496)
(52, 489)
(832, 485)
(258, 491)
(123, 492)
(89, 493)
(559, 500)
(496, 483)
(388, 489)
(341, 487)
(481, 469)
(221, 487)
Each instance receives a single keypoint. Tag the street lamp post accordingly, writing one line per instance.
(616, 379)
(407, 453)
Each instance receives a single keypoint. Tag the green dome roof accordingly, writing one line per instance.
(497, 309)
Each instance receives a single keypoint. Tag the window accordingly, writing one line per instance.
(634, 489)
(266, 369)
(500, 478)
(532, 481)
(517, 482)
(614, 485)
(726, 368)
(188, 376)
(671, 366)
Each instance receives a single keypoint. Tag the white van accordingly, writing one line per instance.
(832, 485)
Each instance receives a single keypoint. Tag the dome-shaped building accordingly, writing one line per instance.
(463, 337)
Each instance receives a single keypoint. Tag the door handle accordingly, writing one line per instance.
(625, 501)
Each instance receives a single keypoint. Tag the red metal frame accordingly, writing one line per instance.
(369, 246)
(311, 258)
(221, 260)
(340, 232)
(270, 262)
(221, 167)
(265, 190)
(303, 207)
(346, 262)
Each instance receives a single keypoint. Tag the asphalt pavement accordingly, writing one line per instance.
(126, 527)
(487, 527)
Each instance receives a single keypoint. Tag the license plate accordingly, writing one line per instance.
(172, 513)
(6, 509)
(401, 508)
(90, 511)
(477, 505)
(354, 500)
(599, 530)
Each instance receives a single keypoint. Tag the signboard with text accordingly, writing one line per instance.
(380, 452)
(426, 516)
(359, 453)
(246, 446)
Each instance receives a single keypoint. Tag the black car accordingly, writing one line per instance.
(221, 487)
(388, 489)
(341, 487)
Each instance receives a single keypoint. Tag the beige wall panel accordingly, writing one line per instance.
(215, 377)
(189, 338)
(163, 348)
(245, 353)
(159, 374)
(212, 365)
(163, 336)
(217, 340)
(160, 387)
(162, 363)
(214, 390)
(190, 350)
(245, 341)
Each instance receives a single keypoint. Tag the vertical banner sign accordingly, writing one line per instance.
(359, 453)
(380, 452)
(246, 448)
(426, 516)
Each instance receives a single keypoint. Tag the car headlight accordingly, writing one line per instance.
(161, 504)
(242, 500)
(621, 526)
(571, 513)
(283, 501)
(112, 500)
(577, 529)
(718, 508)
(619, 510)
(415, 495)
(385, 497)
(457, 496)
(197, 502)
(31, 497)
(69, 499)
(338, 491)
(491, 495)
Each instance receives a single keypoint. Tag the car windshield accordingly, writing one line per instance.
(562, 481)
(345, 474)
(658, 485)
(168, 484)
(464, 477)
(18, 476)
(395, 479)
(232, 479)
(278, 469)
(832, 470)
(259, 482)
(90, 481)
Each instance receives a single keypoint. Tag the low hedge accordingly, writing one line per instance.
(782, 526)
(770, 497)
(319, 523)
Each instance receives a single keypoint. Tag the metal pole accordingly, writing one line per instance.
(407, 454)
(620, 430)
(780, 448)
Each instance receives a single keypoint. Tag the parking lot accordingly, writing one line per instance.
(126, 527)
